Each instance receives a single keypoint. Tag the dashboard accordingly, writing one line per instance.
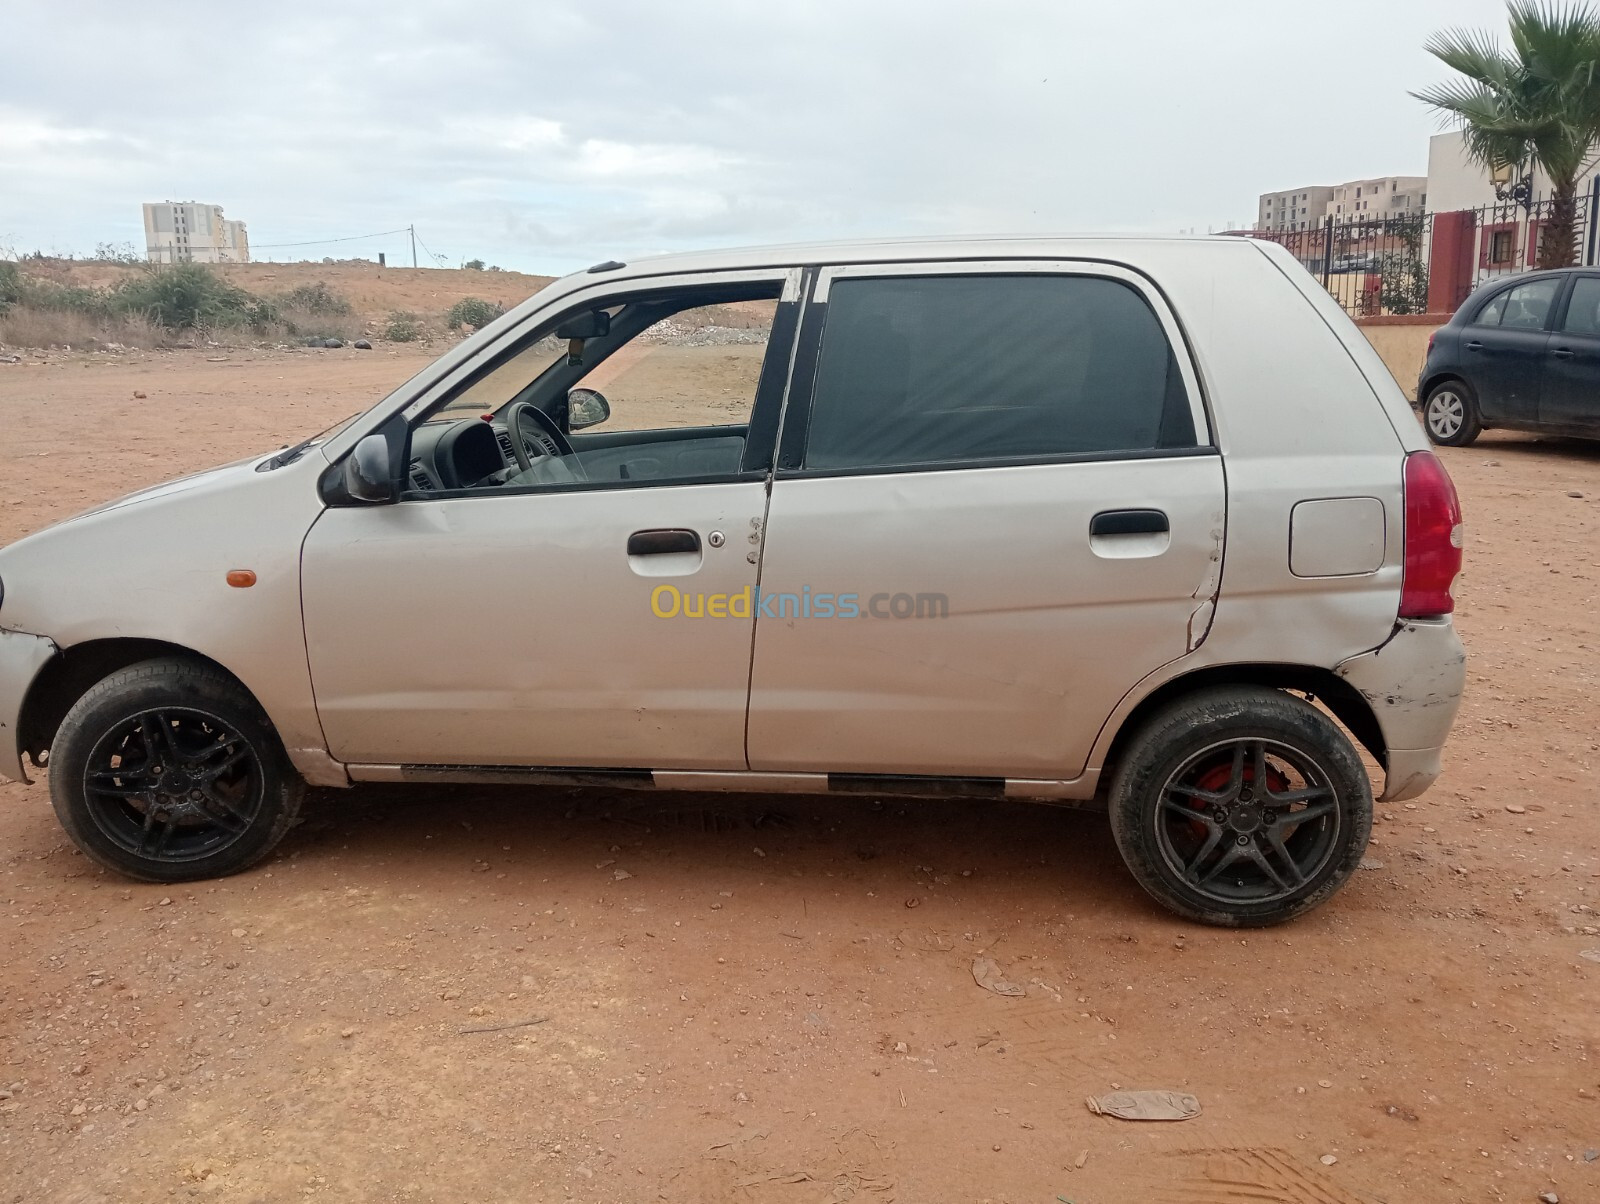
(458, 455)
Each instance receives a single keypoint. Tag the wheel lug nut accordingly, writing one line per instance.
(1243, 840)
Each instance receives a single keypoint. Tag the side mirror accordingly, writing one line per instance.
(586, 407)
(369, 474)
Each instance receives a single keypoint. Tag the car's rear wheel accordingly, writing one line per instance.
(168, 771)
(1241, 806)
(1450, 415)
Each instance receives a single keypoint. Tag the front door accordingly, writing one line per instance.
(1505, 351)
(996, 509)
(1570, 401)
(551, 614)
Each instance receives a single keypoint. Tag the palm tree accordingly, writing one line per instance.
(1539, 102)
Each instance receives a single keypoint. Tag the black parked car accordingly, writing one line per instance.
(1522, 353)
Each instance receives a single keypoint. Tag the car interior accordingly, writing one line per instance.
(524, 420)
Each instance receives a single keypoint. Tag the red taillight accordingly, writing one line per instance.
(1433, 538)
(1431, 337)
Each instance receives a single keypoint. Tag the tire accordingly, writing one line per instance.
(1450, 414)
(225, 797)
(1192, 825)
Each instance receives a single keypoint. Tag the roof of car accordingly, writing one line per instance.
(993, 246)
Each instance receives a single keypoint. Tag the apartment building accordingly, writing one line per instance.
(186, 232)
(1385, 196)
(1297, 209)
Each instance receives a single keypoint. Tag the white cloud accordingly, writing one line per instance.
(549, 136)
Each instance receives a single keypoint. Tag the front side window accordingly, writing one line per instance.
(932, 370)
(662, 391)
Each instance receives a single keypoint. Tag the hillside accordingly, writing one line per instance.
(374, 292)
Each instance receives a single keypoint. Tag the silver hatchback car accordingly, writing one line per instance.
(1137, 523)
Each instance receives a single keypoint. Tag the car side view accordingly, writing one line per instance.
(1521, 354)
(1142, 524)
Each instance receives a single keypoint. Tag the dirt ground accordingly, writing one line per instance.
(771, 999)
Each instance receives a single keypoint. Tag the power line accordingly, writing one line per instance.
(437, 259)
(318, 242)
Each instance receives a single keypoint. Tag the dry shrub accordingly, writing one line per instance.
(26, 326)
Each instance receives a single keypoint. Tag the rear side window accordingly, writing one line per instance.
(1524, 307)
(923, 370)
(1583, 308)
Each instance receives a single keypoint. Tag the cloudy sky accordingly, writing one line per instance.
(545, 135)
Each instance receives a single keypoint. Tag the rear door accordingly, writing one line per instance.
(1570, 400)
(997, 508)
(1503, 351)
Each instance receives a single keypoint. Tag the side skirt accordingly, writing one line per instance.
(1078, 792)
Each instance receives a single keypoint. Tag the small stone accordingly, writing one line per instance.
(1549, 1197)
(1371, 863)
(265, 1001)
(347, 1033)
(362, 345)
(901, 1047)
(758, 852)
(621, 875)
(139, 1105)
(79, 1109)
(166, 900)
(451, 993)
(1516, 809)
(742, 1098)
(1573, 493)
(1324, 1083)
(238, 932)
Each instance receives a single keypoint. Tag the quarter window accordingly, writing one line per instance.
(940, 370)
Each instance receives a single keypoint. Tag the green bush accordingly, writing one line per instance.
(12, 285)
(473, 265)
(190, 296)
(402, 328)
(474, 312)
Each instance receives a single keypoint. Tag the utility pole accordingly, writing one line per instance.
(413, 231)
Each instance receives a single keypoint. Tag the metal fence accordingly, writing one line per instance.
(1425, 262)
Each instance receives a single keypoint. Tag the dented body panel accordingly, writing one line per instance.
(22, 655)
(1413, 684)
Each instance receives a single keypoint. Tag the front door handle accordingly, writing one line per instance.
(663, 542)
(1474, 346)
(1129, 522)
(1561, 353)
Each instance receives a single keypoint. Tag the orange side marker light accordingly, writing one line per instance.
(242, 578)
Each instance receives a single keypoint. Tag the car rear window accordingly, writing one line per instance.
(930, 370)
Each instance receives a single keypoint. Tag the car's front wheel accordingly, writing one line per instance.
(168, 771)
(1450, 415)
(1241, 806)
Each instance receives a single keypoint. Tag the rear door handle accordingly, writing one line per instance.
(663, 542)
(1129, 522)
(1561, 353)
(1474, 346)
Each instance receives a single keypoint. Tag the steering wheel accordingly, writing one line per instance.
(535, 436)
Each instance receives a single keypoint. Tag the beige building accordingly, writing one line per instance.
(1305, 208)
(1297, 209)
(184, 232)
(1385, 196)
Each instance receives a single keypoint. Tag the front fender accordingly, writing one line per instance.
(22, 656)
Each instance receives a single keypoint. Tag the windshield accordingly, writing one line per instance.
(290, 454)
